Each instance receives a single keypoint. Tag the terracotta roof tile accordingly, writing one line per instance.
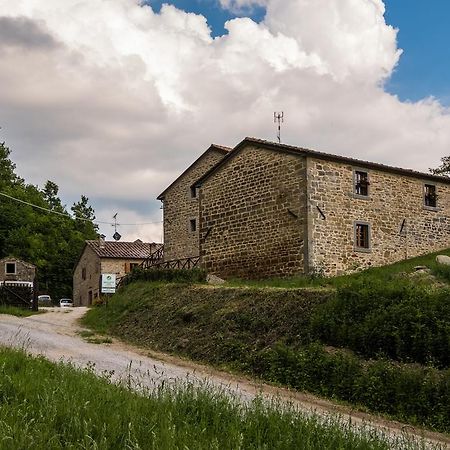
(125, 250)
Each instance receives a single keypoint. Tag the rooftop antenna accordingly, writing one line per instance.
(116, 235)
(278, 117)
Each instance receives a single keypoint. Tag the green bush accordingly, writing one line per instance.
(168, 275)
(410, 393)
(396, 319)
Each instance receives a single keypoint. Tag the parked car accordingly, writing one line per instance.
(44, 300)
(66, 303)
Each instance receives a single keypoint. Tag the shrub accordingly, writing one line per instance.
(167, 275)
(397, 319)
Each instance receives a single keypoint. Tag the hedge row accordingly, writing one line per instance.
(165, 275)
(412, 393)
(397, 320)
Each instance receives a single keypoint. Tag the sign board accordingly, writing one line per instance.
(108, 283)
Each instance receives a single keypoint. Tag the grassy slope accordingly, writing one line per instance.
(53, 406)
(281, 335)
(376, 273)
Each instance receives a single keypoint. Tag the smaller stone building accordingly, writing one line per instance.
(180, 205)
(15, 270)
(106, 257)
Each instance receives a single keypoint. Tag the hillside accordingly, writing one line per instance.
(379, 340)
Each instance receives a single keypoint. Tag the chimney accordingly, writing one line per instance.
(101, 241)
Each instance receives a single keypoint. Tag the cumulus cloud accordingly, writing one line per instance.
(113, 100)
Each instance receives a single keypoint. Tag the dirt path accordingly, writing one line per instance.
(55, 335)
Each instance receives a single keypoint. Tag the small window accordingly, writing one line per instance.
(133, 265)
(361, 181)
(193, 225)
(362, 237)
(10, 268)
(430, 196)
(193, 192)
(83, 273)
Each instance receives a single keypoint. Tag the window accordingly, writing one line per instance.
(10, 268)
(361, 183)
(83, 273)
(193, 192)
(430, 196)
(362, 236)
(193, 225)
(133, 265)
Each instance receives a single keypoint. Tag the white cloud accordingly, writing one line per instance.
(113, 100)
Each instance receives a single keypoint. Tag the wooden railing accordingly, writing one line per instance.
(154, 258)
(186, 263)
(181, 264)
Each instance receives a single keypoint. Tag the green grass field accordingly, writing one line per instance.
(54, 406)
(19, 312)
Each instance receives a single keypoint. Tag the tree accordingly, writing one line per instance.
(444, 168)
(84, 218)
(7, 175)
(50, 192)
(52, 242)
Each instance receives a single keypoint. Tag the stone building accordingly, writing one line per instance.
(269, 209)
(106, 257)
(180, 205)
(15, 270)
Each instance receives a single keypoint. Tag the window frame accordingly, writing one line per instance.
(424, 193)
(193, 192)
(13, 263)
(357, 248)
(355, 193)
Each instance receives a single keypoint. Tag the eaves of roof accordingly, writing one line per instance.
(219, 148)
(319, 155)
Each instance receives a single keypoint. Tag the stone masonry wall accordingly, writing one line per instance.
(24, 271)
(253, 215)
(94, 268)
(179, 208)
(393, 200)
(81, 288)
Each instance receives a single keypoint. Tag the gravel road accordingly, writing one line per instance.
(55, 335)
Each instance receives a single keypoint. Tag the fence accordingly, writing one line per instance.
(16, 294)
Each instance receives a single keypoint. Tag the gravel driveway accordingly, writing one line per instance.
(55, 335)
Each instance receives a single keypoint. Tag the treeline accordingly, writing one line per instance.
(52, 242)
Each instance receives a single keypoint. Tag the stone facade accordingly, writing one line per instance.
(274, 210)
(91, 265)
(181, 214)
(13, 269)
(400, 225)
(253, 215)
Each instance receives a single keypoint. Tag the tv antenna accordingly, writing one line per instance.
(116, 235)
(278, 117)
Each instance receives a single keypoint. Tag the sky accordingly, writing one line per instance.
(114, 99)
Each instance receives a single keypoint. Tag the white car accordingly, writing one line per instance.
(44, 300)
(66, 303)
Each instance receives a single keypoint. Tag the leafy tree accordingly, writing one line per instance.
(52, 242)
(51, 196)
(444, 168)
(7, 174)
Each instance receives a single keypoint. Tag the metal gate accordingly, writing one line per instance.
(16, 294)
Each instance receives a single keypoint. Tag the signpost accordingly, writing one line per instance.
(108, 283)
